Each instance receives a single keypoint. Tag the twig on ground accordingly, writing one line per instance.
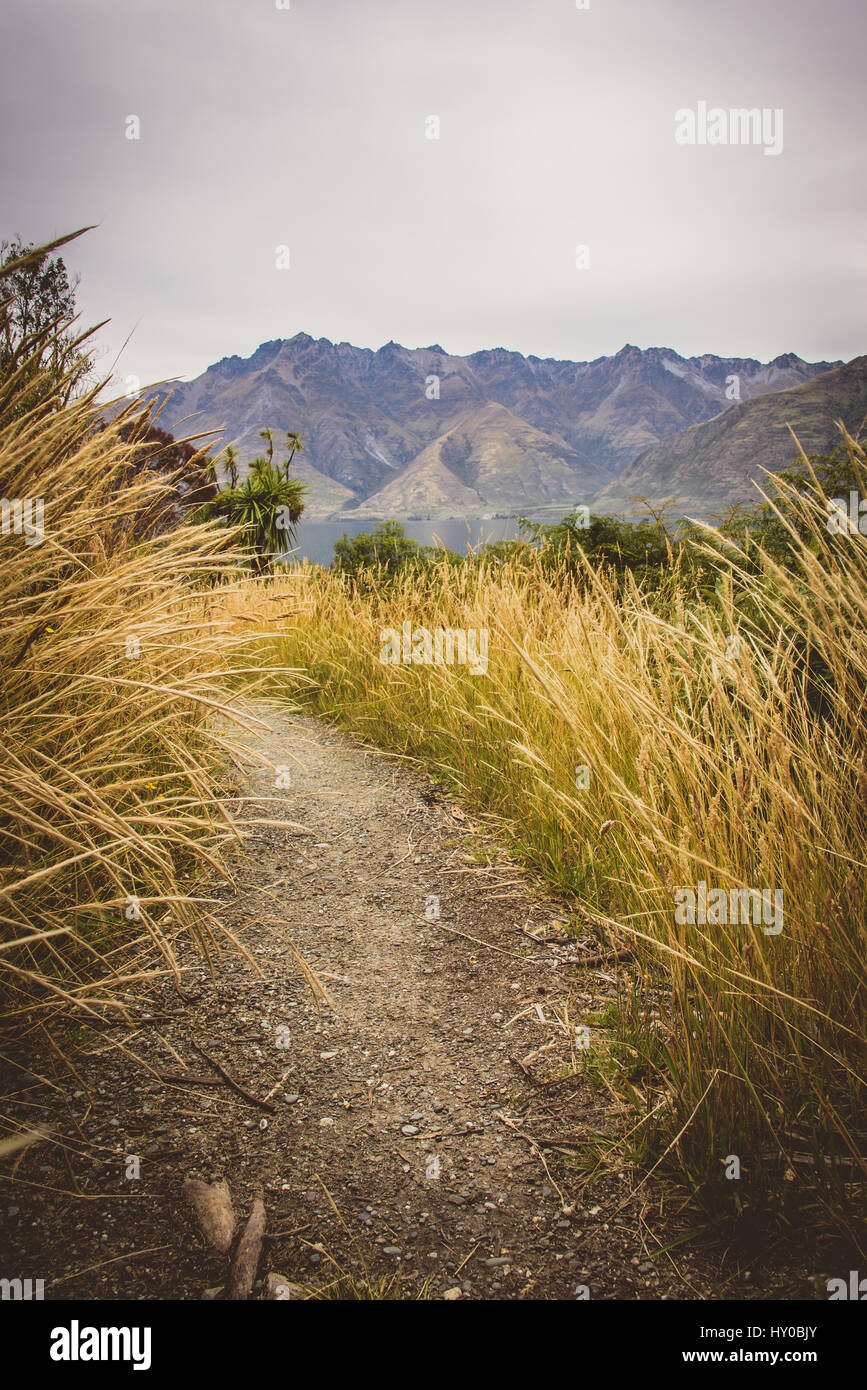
(527, 960)
(134, 1255)
(187, 1079)
(566, 1207)
(236, 1085)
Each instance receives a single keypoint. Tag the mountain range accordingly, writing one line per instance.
(422, 433)
(719, 463)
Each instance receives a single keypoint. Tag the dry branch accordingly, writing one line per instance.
(248, 1254)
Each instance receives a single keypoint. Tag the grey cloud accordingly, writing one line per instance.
(306, 127)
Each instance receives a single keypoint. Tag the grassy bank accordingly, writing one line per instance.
(638, 745)
(112, 777)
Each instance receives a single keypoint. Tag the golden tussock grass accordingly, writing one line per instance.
(740, 764)
(116, 689)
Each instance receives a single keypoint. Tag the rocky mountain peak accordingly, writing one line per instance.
(512, 428)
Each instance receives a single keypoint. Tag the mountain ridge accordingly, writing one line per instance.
(369, 414)
(717, 463)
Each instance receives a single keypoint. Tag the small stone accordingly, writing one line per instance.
(409, 1130)
(326, 1122)
(437, 1106)
(451, 1295)
(279, 1289)
(391, 1250)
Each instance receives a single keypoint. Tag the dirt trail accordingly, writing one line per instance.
(406, 1100)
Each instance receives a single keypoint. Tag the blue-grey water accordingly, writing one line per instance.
(315, 539)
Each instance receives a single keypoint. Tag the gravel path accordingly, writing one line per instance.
(427, 1125)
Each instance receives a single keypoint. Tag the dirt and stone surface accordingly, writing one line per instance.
(427, 1125)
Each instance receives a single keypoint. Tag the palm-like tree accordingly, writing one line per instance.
(232, 465)
(209, 469)
(296, 444)
(259, 468)
(266, 507)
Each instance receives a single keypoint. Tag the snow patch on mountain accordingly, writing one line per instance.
(371, 447)
(682, 371)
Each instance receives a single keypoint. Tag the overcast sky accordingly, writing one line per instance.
(307, 127)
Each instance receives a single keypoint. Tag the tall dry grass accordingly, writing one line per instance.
(742, 768)
(116, 673)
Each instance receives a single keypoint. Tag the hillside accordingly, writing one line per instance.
(489, 461)
(708, 467)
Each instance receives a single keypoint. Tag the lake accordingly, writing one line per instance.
(315, 539)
